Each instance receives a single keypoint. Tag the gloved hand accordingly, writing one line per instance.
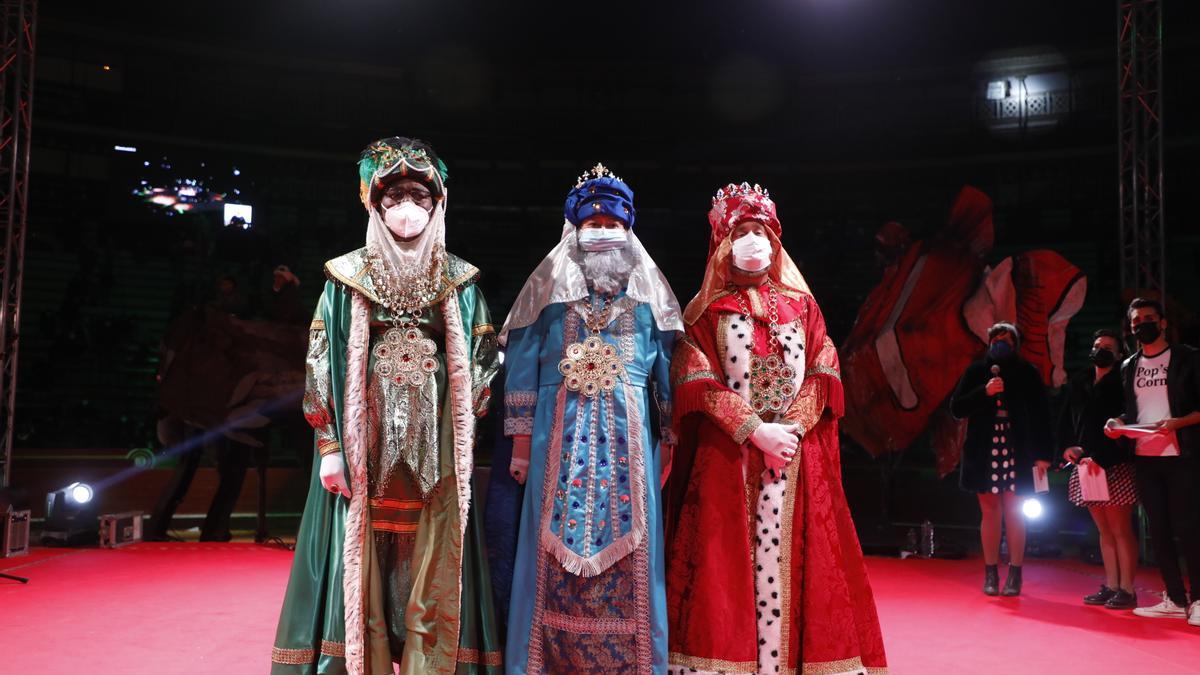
(778, 443)
(333, 474)
(518, 466)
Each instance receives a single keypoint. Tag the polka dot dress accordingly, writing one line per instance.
(1003, 470)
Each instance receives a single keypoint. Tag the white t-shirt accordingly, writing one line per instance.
(1150, 388)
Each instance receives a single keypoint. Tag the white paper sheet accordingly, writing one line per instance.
(1136, 430)
(1040, 481)
(1093, 481)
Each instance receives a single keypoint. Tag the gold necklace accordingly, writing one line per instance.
(409, 293)
(404, 355)
(772, 380)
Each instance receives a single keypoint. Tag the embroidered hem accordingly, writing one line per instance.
(301, 657)
(712, 665)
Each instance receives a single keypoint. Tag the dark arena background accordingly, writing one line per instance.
(160, 160)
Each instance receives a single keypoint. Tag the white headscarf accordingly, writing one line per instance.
(410, 263)
(559, 278)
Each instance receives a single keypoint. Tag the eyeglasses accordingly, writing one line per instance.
(416, 194)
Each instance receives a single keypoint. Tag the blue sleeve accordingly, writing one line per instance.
(660, 379)
(521, 360)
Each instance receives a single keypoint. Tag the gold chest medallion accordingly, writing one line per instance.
(592, 366)
(772, 380)
(772, 384)
(405, 356)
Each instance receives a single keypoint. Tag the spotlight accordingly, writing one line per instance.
(80, 493)
(1032, 508)
(71, 516)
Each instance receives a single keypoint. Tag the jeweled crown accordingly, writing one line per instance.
(743, 190)
(598, 171)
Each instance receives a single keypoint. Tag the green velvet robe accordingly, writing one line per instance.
(448, 618)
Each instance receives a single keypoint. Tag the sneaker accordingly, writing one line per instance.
(1099, 597)
(1194, 614)
(1122, 599)
(1167, 609)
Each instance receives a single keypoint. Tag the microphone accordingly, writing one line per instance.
(996, 373)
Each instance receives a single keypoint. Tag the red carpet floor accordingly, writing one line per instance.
(211, 608)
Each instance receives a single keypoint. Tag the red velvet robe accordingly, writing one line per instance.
(831, 624)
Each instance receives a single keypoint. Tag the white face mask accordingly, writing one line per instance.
(752, 253)
(595, 239)
(406, 220)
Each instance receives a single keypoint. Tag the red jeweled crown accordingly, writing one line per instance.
(744, 190)
(734, 203)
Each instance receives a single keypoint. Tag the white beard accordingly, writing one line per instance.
(607, 271)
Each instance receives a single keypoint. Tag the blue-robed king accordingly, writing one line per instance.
(587, 405)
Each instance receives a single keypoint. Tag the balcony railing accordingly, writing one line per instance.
(1020, 107)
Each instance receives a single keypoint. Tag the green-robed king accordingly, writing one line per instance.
(390, 566)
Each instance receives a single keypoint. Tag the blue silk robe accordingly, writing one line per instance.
(588, 586)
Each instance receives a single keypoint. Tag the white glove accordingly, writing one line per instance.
(777, 441)
(333, 474)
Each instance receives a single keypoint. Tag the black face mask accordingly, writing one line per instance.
(1103, 358)
(1000, 350)
(1147, 332)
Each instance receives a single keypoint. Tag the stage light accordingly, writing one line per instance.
(80, 493)
(1032, 508)
(71, 516)
(124, 148)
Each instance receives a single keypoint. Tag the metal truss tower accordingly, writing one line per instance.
(19, 19)
(1140, 147)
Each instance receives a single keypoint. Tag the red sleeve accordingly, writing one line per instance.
(822, 386)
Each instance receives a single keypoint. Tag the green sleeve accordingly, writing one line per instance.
(485, 353)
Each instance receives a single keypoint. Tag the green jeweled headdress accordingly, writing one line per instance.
(405, 156)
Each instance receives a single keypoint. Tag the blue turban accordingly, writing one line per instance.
(606, 194)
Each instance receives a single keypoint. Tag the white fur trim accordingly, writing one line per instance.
(735, 362)
(458, 367)
(791, 336)
(768, 537)
(354, 435)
